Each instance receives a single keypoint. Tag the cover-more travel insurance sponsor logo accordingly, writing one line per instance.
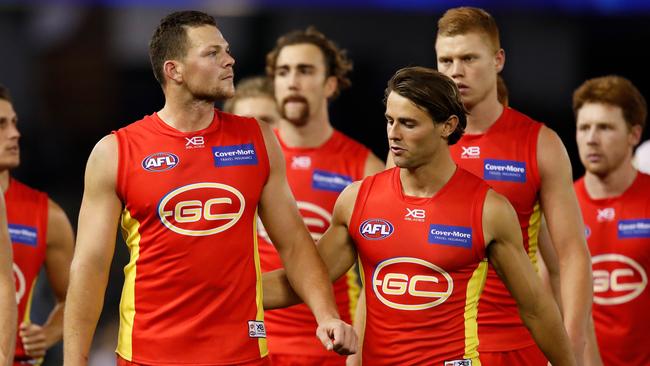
(408, 283)
(504, 170)
(329, 181)
(201, 209)
(617, 279)
(234, 155)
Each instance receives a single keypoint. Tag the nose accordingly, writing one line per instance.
(392, 130)
(293, 80)
(229, 61)
(592, 136)
(457, 69)
(13, 132)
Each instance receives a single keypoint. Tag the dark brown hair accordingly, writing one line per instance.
(336, 61)
(617, 91)
(4, 93)
(170, 42)
(433, 92)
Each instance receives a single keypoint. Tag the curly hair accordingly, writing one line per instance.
(337, 63)
(614, 90)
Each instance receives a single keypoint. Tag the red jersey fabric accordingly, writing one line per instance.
(316, 177)
(505, 156)
(27, 211)
(424, 266)
(192, 293)
(618, 235)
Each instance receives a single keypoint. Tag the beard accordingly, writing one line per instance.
(296, 115)
(213, 94)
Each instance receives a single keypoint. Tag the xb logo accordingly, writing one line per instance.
(416, 214)
(606, 214)
(471, 152)
(194, 142)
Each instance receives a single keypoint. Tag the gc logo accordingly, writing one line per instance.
(316, 218)
(201, 209)
(21, 284)
(407, 283)
(617, 279)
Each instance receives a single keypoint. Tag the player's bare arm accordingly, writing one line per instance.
(38, 339)
(305, 271)
(335, 248)
(98, 219)
(565, 224)
(8, 310)
(373, 165)
(537, 308)
(548, 263)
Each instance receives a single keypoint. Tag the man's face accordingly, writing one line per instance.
(207, 68)
(413, 138)
(261, 108)
(472, 63)
(9, 135)
(301, 85)
(604, 140)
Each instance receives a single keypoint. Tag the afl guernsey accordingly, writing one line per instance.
(27, 211)
(618, 235)
(505, 156)
(424, 265)
(316, 177)
(192, 291)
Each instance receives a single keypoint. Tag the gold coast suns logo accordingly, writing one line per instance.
(407, 283)
(316, 218)
(201, 209)
(21, 284)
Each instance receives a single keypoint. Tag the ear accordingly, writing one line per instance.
(173, 70)
(331, 84)
(500, 60)
(634, 137)
(449, 126)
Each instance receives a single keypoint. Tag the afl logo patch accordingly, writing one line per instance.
(159, 162)
(376, 229)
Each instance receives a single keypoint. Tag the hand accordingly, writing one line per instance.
(33, 338)
(338, 336)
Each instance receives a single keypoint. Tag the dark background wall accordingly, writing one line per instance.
(79, 71)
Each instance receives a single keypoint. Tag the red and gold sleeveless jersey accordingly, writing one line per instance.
(506, 158)
(618, 235)
(423, 267)
(27, 211)
(192, 293)
(316, 177)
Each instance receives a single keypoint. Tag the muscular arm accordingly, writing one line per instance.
(305, 271)
(8, 310)
(98, 218)
(537, 309)
(60, 241)
(335, 248)
(562, 212)
(549, 268)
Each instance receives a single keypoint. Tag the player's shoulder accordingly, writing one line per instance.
(18, 188)
(343, 142)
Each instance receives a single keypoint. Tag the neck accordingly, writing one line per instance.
(612, 184)
(314, 133)
(186, 114)
(4, 180)
(483, 115)
(426, 180)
